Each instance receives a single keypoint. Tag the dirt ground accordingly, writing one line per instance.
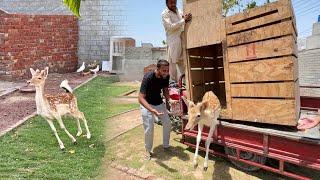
(116, 126)
(122, 123)
(128, 97)
(16, 106)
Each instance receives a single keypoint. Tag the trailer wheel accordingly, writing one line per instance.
(247, 156)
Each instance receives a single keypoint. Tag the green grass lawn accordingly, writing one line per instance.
(177, 163)
(32, 151)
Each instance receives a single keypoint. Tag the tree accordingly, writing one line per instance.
(73, 5)
(229, 4)
(251, 4)
(164, 42)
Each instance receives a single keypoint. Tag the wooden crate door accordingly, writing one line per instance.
(206, 27)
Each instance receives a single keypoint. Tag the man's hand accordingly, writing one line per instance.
(187, 17)
(155, 112)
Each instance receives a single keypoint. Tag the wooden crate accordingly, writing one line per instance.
(207, 26)
(249, 60)
(262, 57)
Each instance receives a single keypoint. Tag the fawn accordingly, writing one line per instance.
(204, 113)
(53, 107)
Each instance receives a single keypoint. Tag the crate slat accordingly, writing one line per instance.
(270, 48)
(267, 32)
(266, 90)
(271, 111)
(267, 14)
(275, 69)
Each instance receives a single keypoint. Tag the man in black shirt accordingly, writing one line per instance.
(152, 105)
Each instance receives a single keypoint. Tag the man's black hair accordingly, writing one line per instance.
(162, 62)
(167, 1)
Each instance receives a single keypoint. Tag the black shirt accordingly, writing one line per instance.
(151, 86)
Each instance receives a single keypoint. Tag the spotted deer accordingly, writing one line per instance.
(53, 107)
(204, 113)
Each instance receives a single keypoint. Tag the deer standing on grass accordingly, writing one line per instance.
(204, 113)
(53, 107)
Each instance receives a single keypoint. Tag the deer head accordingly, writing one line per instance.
(195, 113)
(38, 77)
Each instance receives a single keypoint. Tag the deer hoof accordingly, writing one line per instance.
(88, 136)
(75, 143)
(62, 148)
(79, 134)
(205, 168)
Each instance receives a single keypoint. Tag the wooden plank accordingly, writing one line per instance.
(222, 94)
(186, 61)
(259, 16)
(198, 92)
(220, 61)
(266, 32)
(195, 62)
(271, 90)
(197, 77)
(271, 111)
(270, 48)
(275, 69)
(198, 62)
(227, 114)
(209, 63)
(297, 99)
(202, 8)
(211, 75)
(206, 51)
(205, 27)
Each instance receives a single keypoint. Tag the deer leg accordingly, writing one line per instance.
(56, 134)
(65, 129)
(195, 159)
(79, 127)
(81, 115)
(208, 142)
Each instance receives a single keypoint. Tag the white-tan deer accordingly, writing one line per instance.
(53, 107)
(204, 113)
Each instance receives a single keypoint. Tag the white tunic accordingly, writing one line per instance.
(174, 25)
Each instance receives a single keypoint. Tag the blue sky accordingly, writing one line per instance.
(144, 18)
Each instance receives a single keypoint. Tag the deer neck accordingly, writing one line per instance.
(40, 99)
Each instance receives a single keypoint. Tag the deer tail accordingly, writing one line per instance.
(65, 85)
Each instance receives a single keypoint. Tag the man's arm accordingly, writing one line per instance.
(170, 26)
(167, 96)
(143, 102)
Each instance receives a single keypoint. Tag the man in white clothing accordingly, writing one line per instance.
(174, 21)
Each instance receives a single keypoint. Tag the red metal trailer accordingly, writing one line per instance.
(250, 145)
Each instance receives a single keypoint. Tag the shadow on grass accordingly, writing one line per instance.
(162, 155)
(221, 167)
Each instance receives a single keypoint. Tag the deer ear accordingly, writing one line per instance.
(204, 105)
(33, 72)
(45, 72)
(191, 104)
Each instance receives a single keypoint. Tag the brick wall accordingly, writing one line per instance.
(309, 71)
(37, 41)
(100, 20)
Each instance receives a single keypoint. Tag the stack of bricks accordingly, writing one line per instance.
(37, 41)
